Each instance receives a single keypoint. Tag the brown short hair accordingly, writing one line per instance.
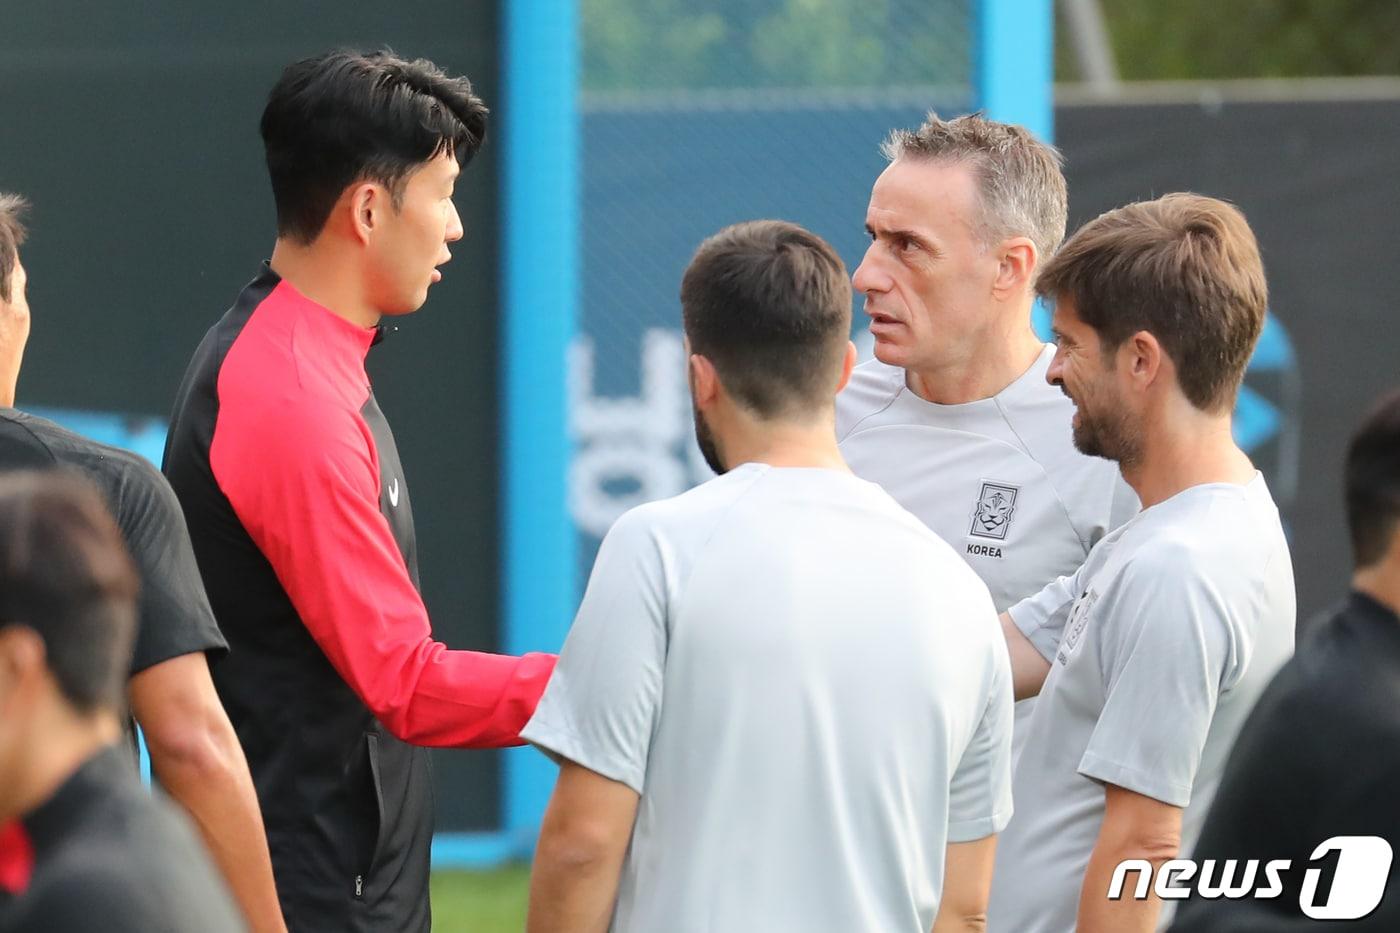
(1184, 268)
(12, 233)
(64, 573)
(1020, 184)
(769, 303)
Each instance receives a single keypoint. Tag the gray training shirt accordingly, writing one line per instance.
(808, 689)
(1158, 647)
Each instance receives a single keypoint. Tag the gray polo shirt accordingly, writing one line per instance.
(808, 689)
(1159, 645)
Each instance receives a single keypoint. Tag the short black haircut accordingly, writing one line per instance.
(769, 304)
(1373, 482)
(346, 116)
(12, 208)
(65, 574)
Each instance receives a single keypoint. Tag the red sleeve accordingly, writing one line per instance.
(304, 484)
(16, 858)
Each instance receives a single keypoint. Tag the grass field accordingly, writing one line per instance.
(480, 901)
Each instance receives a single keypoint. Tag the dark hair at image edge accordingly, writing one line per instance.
(347, 116)
(65, 574)
(1373, 481)
(769, 304)
(12, 234)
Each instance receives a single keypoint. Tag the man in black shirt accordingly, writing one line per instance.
(92, 850)
(1319, 757)
(194, 751)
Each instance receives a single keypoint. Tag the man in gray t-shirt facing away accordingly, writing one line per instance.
(785, 704)
(1148, 658)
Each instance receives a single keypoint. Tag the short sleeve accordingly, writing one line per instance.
(1165, 661)
(176, 618)
(1041, 618)
(980, 794)
(602, 704)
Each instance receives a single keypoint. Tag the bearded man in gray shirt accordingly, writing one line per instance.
(1150, 656)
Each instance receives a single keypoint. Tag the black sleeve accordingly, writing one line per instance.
(176, 618)
(1314, 760)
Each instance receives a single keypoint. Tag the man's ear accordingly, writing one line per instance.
(1144, 358)
(847, 364)
(704, 381)
(22, 659)
(1015, 267)
(365, 204)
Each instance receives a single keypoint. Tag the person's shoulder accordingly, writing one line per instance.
(709, 498)
(116, 861)
(290, 424)
(45, 440)
(293, 361)
(1219, 527)
(1202, 556)
(1350, 661)
(93, 889)
(133, 886)
(109, 467)
(872, 387)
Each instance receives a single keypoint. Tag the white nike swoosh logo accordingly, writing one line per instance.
(394, 493)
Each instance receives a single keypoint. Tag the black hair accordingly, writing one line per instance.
(65, 574)
(1373, 482)
(347, 116)
(769, 304)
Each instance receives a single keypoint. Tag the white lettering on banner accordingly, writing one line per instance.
(630, 449)
(1358, 882)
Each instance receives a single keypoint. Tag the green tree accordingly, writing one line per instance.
(643, 45)
(1220, 39)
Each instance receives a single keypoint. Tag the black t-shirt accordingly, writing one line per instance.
(104, 856)
(1319, 757)
(175, 617)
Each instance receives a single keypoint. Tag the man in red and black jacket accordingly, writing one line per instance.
(299, 509)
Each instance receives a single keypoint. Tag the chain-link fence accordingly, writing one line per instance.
(698, 118)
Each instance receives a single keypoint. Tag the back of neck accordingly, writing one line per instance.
(782, 444)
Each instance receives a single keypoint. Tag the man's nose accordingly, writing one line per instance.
(869, 277)
(454, 224)
(1055, 374)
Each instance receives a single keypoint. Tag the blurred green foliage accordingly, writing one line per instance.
(1164, 40)
(651, 45)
